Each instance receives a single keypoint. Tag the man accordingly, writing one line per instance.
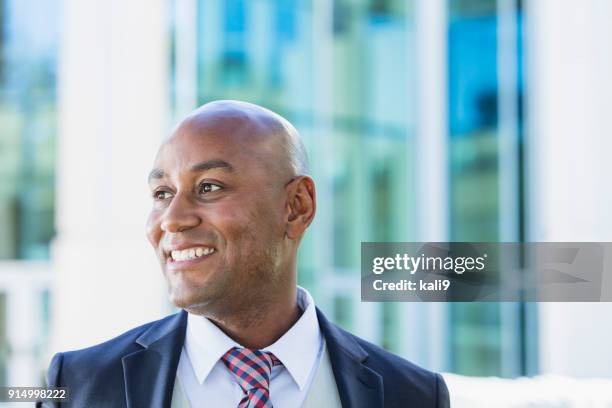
(231, 202)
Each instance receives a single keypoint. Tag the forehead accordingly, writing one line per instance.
(243, 144)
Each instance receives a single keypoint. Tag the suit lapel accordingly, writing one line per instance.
(358, 385)
(149, 373)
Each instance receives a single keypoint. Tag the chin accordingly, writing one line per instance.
(189, 299)
(190, 305)
(181, 295)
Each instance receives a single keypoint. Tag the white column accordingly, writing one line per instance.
(113, 88)
(569, 166)
(432, 182)
(426, 325)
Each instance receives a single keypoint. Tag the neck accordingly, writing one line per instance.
(260, 327)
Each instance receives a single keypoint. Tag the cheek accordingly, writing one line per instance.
(252, 226)
(153, 229)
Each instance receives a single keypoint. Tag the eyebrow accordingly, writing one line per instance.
(199, 167)
(212, 164)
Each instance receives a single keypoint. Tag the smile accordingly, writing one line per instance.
(191, 253)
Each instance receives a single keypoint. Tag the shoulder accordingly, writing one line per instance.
(100, 359)
(95, 375)
(395, 368)
(116, 346)
(402, 380)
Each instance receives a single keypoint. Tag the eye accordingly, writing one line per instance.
(208, 188)
(161, 195)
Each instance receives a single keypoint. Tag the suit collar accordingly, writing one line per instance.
(358, 385)
(163, 328)
(149, 373)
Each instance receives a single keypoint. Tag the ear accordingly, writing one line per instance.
(301, 206)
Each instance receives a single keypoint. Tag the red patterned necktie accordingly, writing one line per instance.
(252, 369)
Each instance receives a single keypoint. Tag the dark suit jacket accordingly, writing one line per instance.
(137, 370)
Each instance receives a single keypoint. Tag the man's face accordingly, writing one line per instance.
(218, 217)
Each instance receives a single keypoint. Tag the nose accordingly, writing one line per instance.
(180, 215)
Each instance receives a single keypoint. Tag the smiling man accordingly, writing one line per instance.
(231, 200)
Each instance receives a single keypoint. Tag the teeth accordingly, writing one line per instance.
(191, 253)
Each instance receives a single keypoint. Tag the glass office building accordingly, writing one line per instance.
(28, 116)
(29, 40)
(346, 73)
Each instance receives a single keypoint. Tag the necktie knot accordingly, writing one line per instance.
(252, 369)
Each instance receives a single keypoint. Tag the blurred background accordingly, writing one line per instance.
(425, 120)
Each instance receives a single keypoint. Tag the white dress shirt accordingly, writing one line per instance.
(207, 381)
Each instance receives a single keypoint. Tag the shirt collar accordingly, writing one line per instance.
(205, 343)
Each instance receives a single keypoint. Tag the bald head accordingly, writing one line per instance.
(250, 125)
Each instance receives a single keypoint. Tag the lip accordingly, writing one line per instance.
(184, 245)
